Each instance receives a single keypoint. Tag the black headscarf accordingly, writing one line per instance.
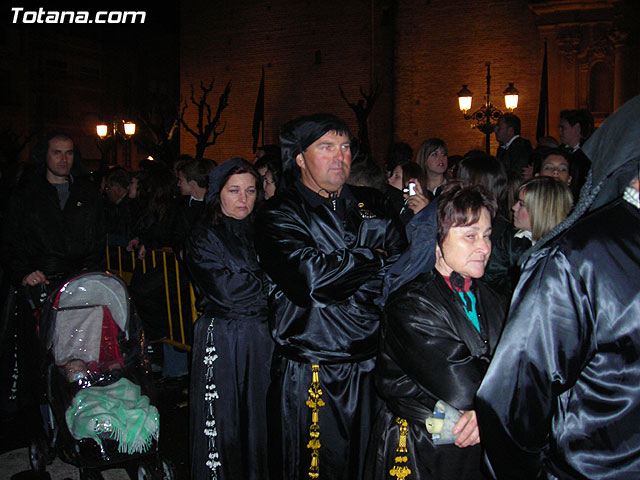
(296, 135)
(217, 175)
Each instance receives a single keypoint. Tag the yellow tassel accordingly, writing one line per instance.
(314, 402)
(400, 471)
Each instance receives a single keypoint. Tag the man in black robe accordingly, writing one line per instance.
(561, 398)
(325, 246)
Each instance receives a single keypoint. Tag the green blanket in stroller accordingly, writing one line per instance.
(116, 411)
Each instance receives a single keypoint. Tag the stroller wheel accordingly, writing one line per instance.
(168, 470)
(39, 454)
(159, 468)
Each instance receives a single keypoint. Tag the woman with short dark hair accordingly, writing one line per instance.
(438, 334)
(232, 347)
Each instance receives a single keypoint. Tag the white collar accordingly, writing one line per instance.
(194, 199)
(521, 233)
(508, 144)
(573, 149)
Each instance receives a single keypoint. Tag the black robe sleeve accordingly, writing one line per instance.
(308, 275)
(224, 280)
(546, 343)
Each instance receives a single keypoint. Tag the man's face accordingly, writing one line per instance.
(183, 185)
(569, 135)
(115, 192)
(503, 133)
(326, 163)
(59, 160)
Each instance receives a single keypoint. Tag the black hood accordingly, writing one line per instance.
(218, 174)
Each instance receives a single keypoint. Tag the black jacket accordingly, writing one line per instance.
(326, 270)
(503, 270)
(430, 350)
(119, 220)
(39, 235)
(189, 213)
(517, 156)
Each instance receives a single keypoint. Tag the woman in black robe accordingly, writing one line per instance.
(232, 347)
(437, 337)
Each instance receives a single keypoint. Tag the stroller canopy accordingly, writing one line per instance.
(78, 311)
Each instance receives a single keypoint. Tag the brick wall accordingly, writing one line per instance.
(307, 49)
(420, 51)
(442, 45)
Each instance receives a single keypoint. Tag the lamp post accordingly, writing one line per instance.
(118, 129)
(486, 117)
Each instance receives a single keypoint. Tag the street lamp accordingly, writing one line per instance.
(486, 117)
(118, 129)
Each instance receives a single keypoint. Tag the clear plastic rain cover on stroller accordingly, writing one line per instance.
(90, 322)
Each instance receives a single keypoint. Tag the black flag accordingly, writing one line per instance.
(258, 115)
(542, 128)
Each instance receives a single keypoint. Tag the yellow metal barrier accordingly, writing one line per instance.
(124, 268)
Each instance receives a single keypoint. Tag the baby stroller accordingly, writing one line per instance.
(99, 410)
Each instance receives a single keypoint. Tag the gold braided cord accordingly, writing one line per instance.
(314, 402)
(400, 470)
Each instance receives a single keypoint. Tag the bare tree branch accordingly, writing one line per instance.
(207, 131)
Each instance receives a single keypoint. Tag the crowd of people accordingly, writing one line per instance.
(436, 317)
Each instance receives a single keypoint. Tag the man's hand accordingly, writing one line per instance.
(35, 278)
(467, 428)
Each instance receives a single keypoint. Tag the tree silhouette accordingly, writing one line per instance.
(362, 109)
(206, 131)
(157, 116)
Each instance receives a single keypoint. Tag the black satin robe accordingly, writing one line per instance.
(229, 289)
(562, 396)
(430, 351)
(326, 272)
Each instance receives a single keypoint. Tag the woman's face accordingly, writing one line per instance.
(437, 161)
(556, 166)
(238, 196)
(466, 250)
(395, 180)
(520, 213)
(268, 184)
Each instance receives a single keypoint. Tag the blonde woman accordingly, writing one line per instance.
(543, 202)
